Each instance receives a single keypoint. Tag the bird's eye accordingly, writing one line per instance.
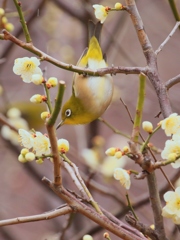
(68, 112)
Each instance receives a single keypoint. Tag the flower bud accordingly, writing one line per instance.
(110, 151)
(123, 176)
(37, 98)
(4, 20)
(118, 154)
(147, 126)
(39, 161)
(24, 151)
(30, 157)
(52, 81)
(9, 27)
(45, 115)
(106, 235)
(125, 150)
(118, 6)
(14, 113)
(87, 237)
(1, 90)
(37, 79)
(172, 157)
(22, 159)
(63, 145)
(152, 226)
(1, 12)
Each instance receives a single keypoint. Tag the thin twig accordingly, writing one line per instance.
(82, 184)
(174, 9)
(130, 206)
(139, 108)
(115, 130)
(58, 103)
(146, 230)
(22, 20)
(39, 217)
(108, 192)
(171, 82)
(66, 225)
(4, 121)
(156, 205)
(48, 102)
(168, 38)
(69, 169)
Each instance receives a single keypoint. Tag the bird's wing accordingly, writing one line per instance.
(79, 63)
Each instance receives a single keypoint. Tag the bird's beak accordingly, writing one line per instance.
(60, 124)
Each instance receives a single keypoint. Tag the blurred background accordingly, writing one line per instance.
(59, 28)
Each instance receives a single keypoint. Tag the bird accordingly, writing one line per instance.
(91, 95)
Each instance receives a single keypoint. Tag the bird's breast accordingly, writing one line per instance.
(95, 92)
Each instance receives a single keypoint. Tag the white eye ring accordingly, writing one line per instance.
(68, 112)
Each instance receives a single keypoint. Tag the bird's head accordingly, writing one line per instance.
(74, 112)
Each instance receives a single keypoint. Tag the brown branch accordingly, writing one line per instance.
(36, 6)
(123, 225)
(4, 121)
(66, 225)
(168, 38)
(39, 217)
(146, 230)
(45, 57)
(55, 153)
(151, 59)
(107, 191)
(156, 206)
(138, 203)
(90, 213)
(171, 82)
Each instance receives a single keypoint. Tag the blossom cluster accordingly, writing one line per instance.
(37, 146)
(101, 12)
(120, 174)
(171, 151)
(172, 208)
(29, 70)
(94, 158)
(4, 23)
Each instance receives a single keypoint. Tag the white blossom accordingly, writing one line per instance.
(171, 124)
(123, 176)
(100, 12)
(172, 208)
(26, 67)
(171, 147)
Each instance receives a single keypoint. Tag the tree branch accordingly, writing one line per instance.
(171, 82)
(90, 213)
(168, 38)
(39, 217)
(45, 57)
(156, 206)
(151, 59)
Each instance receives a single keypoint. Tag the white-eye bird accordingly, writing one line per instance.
(91, 95)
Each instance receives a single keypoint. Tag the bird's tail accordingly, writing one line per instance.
(94, 29)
